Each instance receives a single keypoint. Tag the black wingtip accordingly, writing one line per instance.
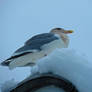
(4, 63)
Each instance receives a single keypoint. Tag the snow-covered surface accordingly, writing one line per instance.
(69, 64)
(8, 85)
(50, 89)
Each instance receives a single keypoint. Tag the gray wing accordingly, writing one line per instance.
(36, 42)
(33, 45)
(43, 36)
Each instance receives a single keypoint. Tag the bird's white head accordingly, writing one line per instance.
(63, 34)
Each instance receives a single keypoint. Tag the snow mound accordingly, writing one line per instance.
(8, 85)
(71, 65)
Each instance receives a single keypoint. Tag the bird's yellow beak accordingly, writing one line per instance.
(68, 31)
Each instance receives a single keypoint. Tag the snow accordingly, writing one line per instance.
(70, 64)
(50, 89)
(8, 85)
(67, 63)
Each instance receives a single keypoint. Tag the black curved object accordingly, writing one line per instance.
(44, 80)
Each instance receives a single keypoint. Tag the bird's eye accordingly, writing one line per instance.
(58, 28)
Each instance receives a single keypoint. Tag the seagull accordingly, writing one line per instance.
(37, 47)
